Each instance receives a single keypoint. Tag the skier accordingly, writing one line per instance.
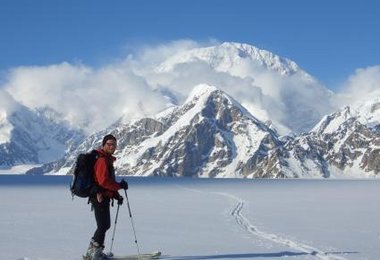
(104, 176)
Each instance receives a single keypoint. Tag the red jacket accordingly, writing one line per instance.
(105, 174)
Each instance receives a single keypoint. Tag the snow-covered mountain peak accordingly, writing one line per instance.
(202, 93)
(368, 113)
(30, 137)
(203, 97)
(266, 58)
(202, 90)
(235, 58)
(330, 123)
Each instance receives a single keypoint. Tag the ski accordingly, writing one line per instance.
(154, 255)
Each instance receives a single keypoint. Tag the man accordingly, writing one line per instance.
(104, 176)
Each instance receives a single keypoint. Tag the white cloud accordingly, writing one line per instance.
(7, 103)
(87, 97)
(362, 86)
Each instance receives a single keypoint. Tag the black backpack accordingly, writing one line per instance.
(83, 184)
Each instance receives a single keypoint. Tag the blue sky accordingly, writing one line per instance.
(329, 39)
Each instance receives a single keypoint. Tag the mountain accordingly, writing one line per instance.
(338, 146)
(230, 56)
(353, 146)
(269, 86)
(33, 136)
(210, 135)
(266, 126)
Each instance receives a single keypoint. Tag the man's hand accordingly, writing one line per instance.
(120, 200)
(99, 197)
(124, 184)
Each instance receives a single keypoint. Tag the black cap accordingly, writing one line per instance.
(108, 137)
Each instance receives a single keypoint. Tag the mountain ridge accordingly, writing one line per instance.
(212, 135)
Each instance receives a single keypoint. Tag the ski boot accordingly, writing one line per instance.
(94, 252)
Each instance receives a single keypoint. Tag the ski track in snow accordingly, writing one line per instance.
(245, 224)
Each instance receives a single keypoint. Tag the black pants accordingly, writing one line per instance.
(103, 219)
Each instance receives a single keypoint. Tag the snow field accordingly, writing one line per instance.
(197, 219)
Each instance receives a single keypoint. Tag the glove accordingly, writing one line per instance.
(124, 184)
(120, 200)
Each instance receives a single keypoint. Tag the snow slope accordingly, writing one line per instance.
(368, 112)
(232, 57)
(32, 137)
(190, 218)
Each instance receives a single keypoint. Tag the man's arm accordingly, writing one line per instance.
(102, 176)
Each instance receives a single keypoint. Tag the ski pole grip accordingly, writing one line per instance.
(124, 184)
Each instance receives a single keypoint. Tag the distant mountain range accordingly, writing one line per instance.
(212, 134)
(34, 136)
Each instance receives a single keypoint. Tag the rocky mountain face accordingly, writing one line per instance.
(340, 145)
(212, 135)
(350, 145)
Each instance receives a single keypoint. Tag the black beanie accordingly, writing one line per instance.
(108, 137)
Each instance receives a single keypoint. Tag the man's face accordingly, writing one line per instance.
(110, 146)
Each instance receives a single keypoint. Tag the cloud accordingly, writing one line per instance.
(150, 55)
(7, 103)
(88, 98)
(362, 86)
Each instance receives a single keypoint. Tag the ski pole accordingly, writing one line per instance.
(114, 228)
(132, 222)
